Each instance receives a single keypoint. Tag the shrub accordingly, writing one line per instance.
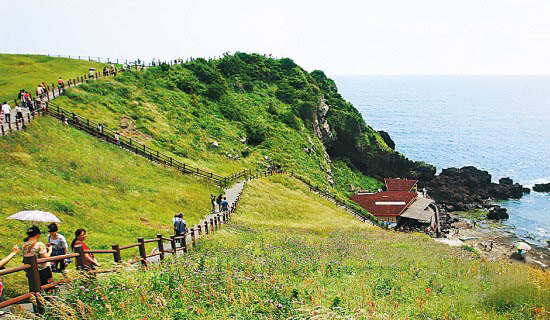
(256, 133)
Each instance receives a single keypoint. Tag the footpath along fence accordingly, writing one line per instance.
(362, 215)
(177, 243)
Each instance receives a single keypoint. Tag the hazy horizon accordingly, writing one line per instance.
(396, 37)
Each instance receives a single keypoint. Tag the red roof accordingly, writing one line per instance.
(396, 184)
(387, 203)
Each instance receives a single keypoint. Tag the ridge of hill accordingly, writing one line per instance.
(244, 111)
(26, 71)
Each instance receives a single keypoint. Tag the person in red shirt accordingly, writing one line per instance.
(90, 261)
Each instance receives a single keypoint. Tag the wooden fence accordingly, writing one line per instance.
(360, 214)
(178, 242)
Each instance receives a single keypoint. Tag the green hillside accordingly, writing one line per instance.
(253, 107)
(27, 71)
(289, 255)
(116, 196)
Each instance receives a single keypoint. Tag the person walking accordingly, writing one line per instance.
(90, 261)
(59, 247)
(60, 86)
(180, 227)
(3, 263)
(225, 204)
(33, 245)
(117, 138)
(213, 201)
(219, 201)
(7, 112)
(18, 114)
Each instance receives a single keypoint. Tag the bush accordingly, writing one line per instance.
(256, 133)
(216, 90)
(285, 93)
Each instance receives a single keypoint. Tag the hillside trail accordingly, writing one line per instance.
(232, 195)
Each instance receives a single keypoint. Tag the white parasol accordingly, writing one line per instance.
(35, 216)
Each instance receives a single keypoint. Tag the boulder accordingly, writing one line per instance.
(506, 181)
(497, 213)
(542, 187)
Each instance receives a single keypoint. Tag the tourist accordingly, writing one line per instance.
(219, 201)
(60, 85)
(7, 112)
(225, 204)
(100, 128)
(59, 247)
(33, 245)
(180, 225)
(105, 71)
(474, 223)
(5, 261)
(117, 138)
(213, 201)
(90, 261)
(18, 114)
(39, 90)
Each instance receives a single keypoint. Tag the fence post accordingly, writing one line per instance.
(214, 224)
(206, 229)
(160, 246)
(116, 254)
(173, 244)
(80, 258)
(3, 133)
(184, 242)
(193, 240)
(142, 252)
(33, 276)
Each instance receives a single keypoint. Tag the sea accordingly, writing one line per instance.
(496, 123)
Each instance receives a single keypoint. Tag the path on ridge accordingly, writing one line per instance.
(231, 193)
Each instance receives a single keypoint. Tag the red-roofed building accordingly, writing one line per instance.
(397, 184)
(387, 205)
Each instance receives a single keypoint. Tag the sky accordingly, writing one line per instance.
(389, 37)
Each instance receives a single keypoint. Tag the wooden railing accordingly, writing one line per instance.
(359, 213)
(178, 242)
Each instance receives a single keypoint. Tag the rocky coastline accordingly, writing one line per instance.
(469, 188)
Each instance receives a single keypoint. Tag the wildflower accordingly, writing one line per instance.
(279, 306)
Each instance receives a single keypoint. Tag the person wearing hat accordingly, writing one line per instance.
(33, 245)
(59, 247)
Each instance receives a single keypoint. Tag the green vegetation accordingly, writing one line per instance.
(253, 106)
(477, 214)
(116, 196)
(289, 254)
(27, 71)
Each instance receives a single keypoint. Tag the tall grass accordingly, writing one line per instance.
(288, 254)
(113, 194)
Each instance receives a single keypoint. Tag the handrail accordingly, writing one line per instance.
(99, 251)
(60, 257)
(14, 269)
(133, 245)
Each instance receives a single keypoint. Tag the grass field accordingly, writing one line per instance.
(27, 71)
(289, 255)
(116, 196)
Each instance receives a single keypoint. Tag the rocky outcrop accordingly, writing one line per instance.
(387, 139)
(542, 187)
(468, 187)
(323, 132)
(497, 213)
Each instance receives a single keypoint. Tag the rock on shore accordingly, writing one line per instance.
(542, 187)
(468, 188)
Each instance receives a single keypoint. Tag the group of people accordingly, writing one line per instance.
(220, 202)
(56, 245)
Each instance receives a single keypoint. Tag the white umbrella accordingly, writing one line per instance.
(35, 216)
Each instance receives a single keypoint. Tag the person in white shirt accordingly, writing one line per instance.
(59, 247)
(18, 113)
(7, 112)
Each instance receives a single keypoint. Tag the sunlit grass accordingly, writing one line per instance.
(27, 71)
(115, 195)
(288, 254)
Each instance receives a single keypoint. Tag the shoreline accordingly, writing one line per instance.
(490, 230)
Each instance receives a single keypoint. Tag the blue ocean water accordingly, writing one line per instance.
(497, 123)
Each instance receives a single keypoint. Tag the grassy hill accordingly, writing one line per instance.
(27, 71)
(252, 106)
(289, 254)
(113, 194)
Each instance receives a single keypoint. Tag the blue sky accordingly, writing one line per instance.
(340, 37)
